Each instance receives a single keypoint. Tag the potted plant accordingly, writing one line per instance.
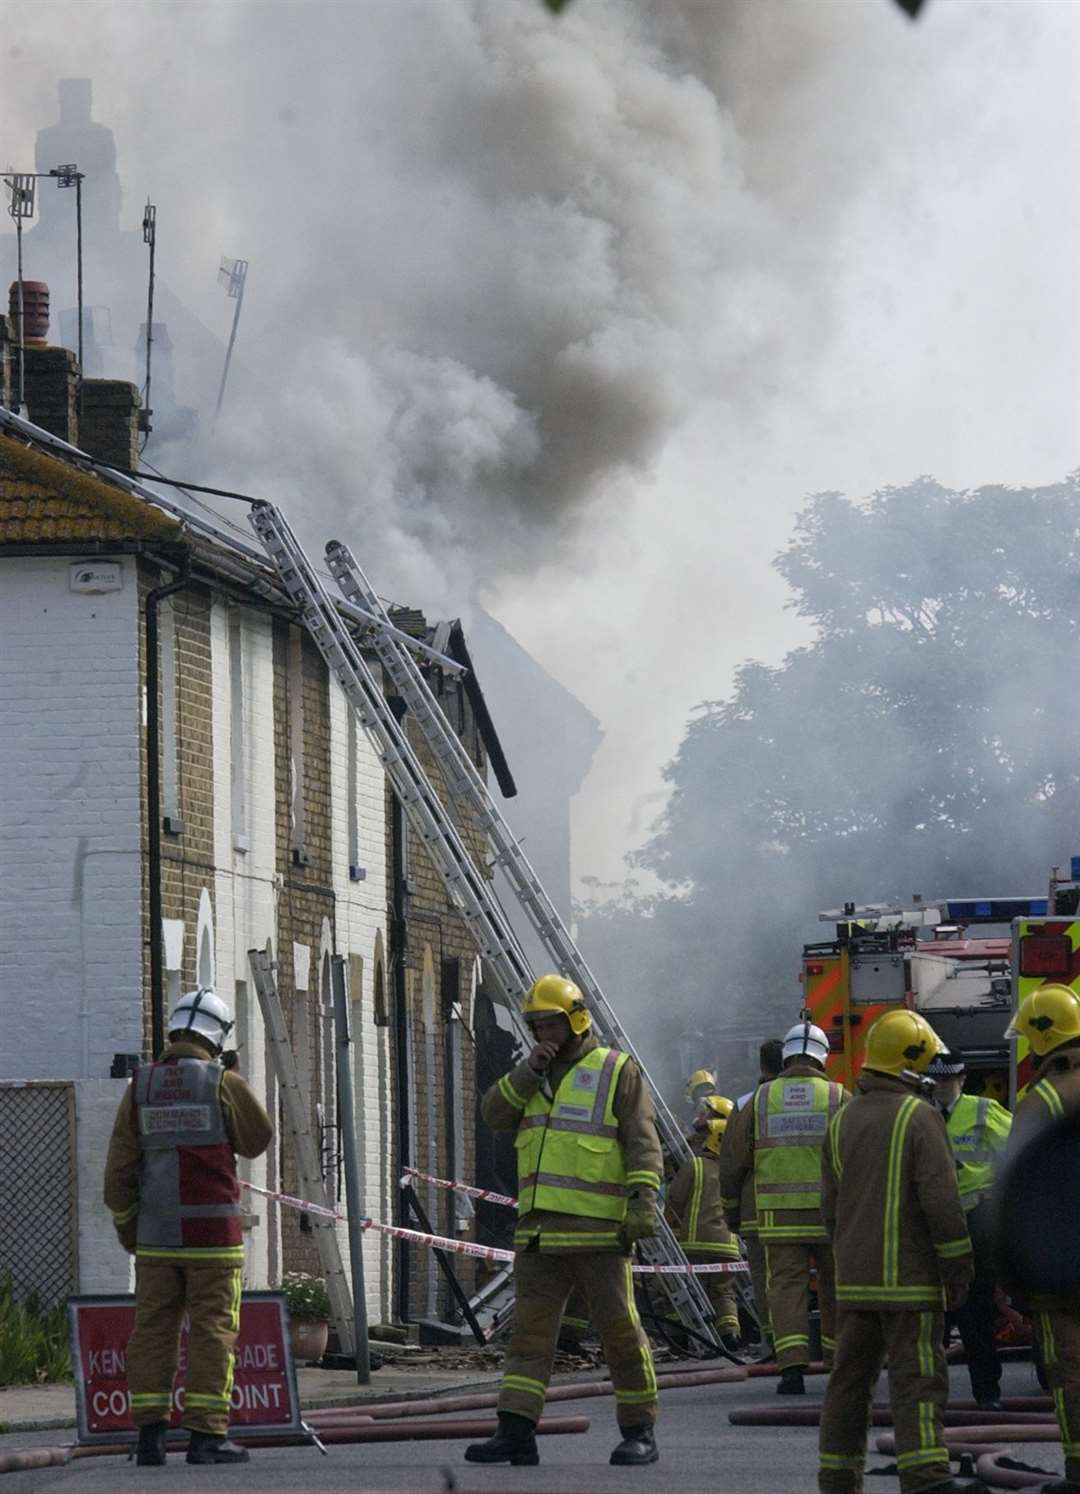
(309, 1314)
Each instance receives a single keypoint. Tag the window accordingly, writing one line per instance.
(297, 822)
(237, 734)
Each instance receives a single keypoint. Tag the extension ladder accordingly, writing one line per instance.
(309, 1163)
(466, 884)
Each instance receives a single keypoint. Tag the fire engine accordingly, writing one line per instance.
(952, 960)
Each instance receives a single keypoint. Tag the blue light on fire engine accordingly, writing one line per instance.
(998, 909)
(1074, 868)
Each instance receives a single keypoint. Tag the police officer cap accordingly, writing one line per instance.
(946, 1066)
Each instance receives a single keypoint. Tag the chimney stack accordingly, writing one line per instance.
(51, 374)
(108, 427)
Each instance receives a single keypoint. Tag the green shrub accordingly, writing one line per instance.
(33, 1341)
(305, 1296)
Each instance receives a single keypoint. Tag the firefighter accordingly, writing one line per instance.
(695, 1213)
(1050, 1021)
(171, 1184)
(699, 1086)
(741, 1211)
(892, 1206)
(589, 1164)
(780, 1142)
(978, 1130)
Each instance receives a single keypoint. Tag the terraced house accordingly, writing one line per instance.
(267, 823)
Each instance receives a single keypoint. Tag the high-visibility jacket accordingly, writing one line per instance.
(791, 1118)
(189, 1192)
(570, 1158)
(978, 1130)
(170, 1177)
(694, 1210)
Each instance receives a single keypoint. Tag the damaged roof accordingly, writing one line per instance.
(52, 494)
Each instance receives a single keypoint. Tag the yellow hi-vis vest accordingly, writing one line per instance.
(974, 1122)
(570, 1159)
(791, 1117)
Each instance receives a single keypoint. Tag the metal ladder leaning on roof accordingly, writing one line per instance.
(298, 1125)
(465, 883)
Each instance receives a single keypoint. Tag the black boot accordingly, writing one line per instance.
(732, 1343)
(1059, 1486)
(208, 1447)
(969, 1486)
(150, 1452)
(513, 1443)
(791, 1381)
(638, 1446)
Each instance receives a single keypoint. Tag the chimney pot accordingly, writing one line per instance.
(35, 299)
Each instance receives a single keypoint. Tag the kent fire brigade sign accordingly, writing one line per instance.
(264, 1397)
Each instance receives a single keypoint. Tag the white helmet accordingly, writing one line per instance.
(804, 1040)
(202, 1012)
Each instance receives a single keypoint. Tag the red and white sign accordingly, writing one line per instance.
(264, 1397)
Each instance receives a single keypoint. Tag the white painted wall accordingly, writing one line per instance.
(361, 921)
(244, 885)
(104, 1266)
(70, 916)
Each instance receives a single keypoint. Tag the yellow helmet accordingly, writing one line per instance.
(901, 1040)
(1048, 1017)
(714, 1135)
(554, 995)
(720, 1106)
(698, 1078)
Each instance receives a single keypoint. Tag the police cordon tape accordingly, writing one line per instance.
(470, 1247)
(410, 1174)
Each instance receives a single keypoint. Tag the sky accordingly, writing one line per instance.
(567, 316)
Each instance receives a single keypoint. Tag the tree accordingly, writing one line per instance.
(923, 742)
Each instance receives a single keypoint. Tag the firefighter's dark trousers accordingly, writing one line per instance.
(918, 1391)
(788, 1266)
(210, 1295)
(975, 1320)
(759, 1277)
(1059, 1336)
(543, 1281)
(720, 1290)
(575, 1320)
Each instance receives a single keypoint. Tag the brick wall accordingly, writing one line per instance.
(437, 937)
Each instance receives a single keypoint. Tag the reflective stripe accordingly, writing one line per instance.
(952, 1250)
(641, 1177)
(558, 1180)
(842, 1462)
(567, 1240)
(191, 1253)
(122, 1216)
(926, 1295)
(788, 1188)
(925, 1347)
(524, 1386)
(510, 1094)
(925, 1457)
(891, 1232)
(647, 1369)
(1048, 1094)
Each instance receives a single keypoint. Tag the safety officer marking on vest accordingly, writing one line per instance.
(798, 1125)
(575, 1112)
(171, 1119)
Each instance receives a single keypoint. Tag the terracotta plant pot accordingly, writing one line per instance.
(308, 1339)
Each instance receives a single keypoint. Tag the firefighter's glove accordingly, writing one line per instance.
(640, 1221)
